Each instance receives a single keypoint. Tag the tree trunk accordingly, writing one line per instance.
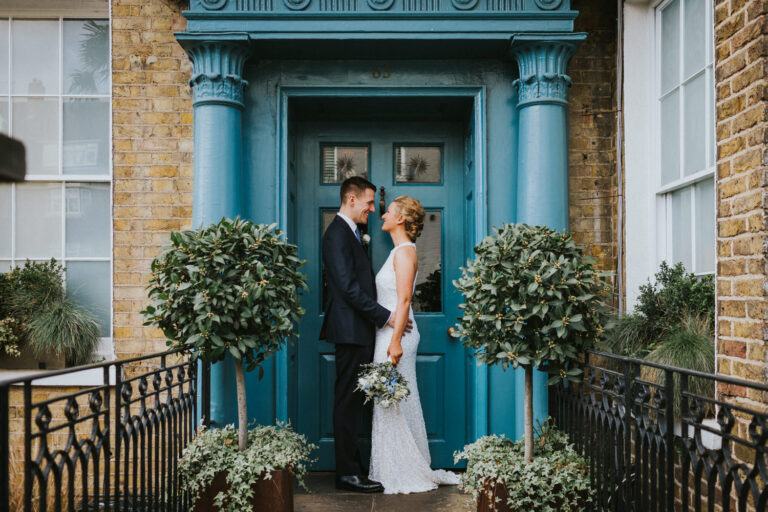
(528, 406)
(242, 406)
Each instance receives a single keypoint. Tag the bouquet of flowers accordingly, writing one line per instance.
(382, 383)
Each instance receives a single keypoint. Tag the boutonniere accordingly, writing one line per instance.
(366, 239)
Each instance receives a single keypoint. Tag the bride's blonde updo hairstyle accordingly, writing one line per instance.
(413, 212)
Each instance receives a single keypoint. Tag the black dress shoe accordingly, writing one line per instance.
(357, 483)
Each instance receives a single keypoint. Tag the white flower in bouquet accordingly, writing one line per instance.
(366, 239)
(382, 383)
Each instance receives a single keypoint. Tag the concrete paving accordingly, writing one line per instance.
(325, 498)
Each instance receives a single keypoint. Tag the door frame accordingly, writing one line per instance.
(478, 407)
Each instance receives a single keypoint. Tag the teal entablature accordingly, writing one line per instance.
(495, 68)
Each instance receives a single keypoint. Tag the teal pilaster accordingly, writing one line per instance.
(217, 87)
(542, 161)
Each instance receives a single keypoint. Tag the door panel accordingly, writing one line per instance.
(423, 160)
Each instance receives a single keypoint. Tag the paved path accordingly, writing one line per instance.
(325, 498)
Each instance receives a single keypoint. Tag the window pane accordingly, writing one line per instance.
(5, 266)
(342, 162)
(86, 50)
(4, 71)
(418, 164)
(427, 296)
(695, 36)
(38, 220)
(88, 225)
(36, 123)
(705, 226)
(5, 221)
(670, 138)
(5, 123)
(681, 227)
(670, 46)
(695, 125)
(88, 282)
(86, 132)
(710, 106)
(35, 57)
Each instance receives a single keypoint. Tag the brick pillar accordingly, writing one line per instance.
(152, 156)
(741, 57)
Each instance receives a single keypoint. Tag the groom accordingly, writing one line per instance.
(352, 316)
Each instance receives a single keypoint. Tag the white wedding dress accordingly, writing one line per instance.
(400, 457)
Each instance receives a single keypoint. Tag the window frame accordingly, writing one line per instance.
(663, 192)
(106, 344)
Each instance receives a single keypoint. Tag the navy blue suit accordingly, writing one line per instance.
(351, 318)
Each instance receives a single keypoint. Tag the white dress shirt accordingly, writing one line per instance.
(354, 228)
(349, 222)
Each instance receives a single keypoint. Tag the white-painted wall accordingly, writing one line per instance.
(639, 147)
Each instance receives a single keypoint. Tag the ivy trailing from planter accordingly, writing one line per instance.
(231, 287)
(497, 474)
(215, 451)
(532, 299)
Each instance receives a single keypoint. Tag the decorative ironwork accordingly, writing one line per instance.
(647, 454)
(112, 446)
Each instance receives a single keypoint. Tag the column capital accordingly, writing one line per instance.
(542, 61)
(217, 65)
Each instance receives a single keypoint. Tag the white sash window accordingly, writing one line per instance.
(685, 188)
(55, 97)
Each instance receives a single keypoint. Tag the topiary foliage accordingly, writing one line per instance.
(229, 287)
(531, 298)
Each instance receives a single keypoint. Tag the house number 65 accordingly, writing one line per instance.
(383, 72)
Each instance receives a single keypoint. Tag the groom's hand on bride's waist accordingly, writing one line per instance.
(408, 323)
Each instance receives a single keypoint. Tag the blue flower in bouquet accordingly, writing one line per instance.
(382, 383)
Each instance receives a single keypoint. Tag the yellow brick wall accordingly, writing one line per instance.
(152, 137)
(741, 60)
(592, 152)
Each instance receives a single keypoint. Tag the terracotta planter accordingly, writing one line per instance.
(487, 503)
(275, 494)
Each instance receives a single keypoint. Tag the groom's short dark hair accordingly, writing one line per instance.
(355, 185)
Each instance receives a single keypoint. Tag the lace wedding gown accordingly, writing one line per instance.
(400, 457)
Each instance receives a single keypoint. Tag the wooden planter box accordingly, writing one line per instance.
(274, 495)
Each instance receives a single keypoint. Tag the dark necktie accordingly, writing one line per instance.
(357, 234)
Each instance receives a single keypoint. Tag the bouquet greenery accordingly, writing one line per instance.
(382, 383)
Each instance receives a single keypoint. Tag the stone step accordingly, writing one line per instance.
(325, 497)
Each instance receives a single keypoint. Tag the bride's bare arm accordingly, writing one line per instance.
(406, 263)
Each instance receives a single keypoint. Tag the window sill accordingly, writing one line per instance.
(82, 378)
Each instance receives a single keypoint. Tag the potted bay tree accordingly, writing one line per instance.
(532, 300)
(233, 288)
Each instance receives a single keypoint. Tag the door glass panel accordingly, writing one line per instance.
(418, 164)
(342, 162)
(428, 294)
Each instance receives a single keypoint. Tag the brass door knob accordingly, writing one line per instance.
(451, 331)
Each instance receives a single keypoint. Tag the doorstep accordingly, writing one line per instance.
(326, 498)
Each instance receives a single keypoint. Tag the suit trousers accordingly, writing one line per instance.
(348, 405)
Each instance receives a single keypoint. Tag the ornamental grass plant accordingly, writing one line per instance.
(36, 316)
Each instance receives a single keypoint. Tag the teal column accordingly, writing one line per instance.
(217, 87)
(542, 161)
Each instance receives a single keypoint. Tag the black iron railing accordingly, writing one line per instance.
(659, 438)
(112, 446)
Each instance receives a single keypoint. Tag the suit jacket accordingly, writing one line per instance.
(351, 312)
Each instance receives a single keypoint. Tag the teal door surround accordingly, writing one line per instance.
(517, 131)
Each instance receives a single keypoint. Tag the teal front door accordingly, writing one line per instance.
(422, 160)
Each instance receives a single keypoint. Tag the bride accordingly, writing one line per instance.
(400, 457)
